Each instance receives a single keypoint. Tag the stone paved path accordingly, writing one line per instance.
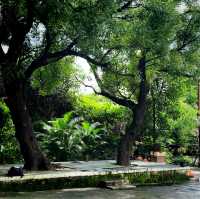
(74, 167)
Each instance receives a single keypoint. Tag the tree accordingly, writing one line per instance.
(52, 90)
(37, 33)
(150, 40)
(170, 119)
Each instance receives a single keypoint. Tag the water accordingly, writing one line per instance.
(189, 190)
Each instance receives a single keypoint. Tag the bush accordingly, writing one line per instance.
(9, 150)
(73, 138)
(182, 160)
(98, 108)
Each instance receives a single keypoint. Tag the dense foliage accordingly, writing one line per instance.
(74, 138)
(9, 150)
(100, 109)
(171, 117)
(144, 55)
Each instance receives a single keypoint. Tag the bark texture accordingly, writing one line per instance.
(134, 130)
(32, 154)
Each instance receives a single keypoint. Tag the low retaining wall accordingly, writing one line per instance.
(83, 179)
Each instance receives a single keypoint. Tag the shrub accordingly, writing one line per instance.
(73, 138)
(182, 160)
(9, 150)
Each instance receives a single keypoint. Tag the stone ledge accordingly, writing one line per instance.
(90, 177)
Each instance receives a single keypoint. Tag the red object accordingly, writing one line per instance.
(189, 173)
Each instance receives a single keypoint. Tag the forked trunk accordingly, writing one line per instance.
(33, 156)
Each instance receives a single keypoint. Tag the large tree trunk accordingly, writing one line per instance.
(33, 157)
(124, 150)
(134, 130)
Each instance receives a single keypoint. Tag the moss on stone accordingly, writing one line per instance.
(136, 178)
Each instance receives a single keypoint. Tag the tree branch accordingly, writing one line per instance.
(18, 27)
(89, 58)
(42, 59)
(86, 85)
(47, 58)
(179, 74)
(121, 101)
(186, 43)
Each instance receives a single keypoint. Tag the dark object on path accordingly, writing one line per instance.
(15, 171)
(183, 164)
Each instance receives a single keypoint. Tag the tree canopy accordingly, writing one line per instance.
(131, 45)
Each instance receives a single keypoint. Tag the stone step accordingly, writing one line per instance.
(116, 184)
(123, 187)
